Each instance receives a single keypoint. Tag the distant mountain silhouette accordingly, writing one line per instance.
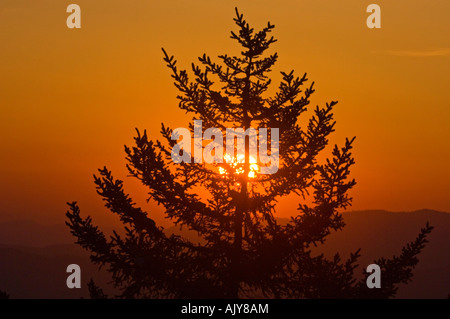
(381, 233)
(33, 257)
(30, 272)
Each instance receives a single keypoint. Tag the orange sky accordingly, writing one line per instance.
(70, 99)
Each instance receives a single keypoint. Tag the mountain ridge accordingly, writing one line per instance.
(33, 258)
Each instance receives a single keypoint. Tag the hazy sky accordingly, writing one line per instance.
(71, 98)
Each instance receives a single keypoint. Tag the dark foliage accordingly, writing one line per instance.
(245, 251)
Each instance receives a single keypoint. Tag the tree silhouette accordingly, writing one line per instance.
(245, 251)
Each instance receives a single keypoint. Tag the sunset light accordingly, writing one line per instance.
(240, 159)
(225, 158)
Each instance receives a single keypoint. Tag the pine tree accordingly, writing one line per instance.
(245, 251)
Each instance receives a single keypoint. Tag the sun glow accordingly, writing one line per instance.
(238, 169)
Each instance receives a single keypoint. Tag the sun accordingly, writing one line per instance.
(240, 159)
